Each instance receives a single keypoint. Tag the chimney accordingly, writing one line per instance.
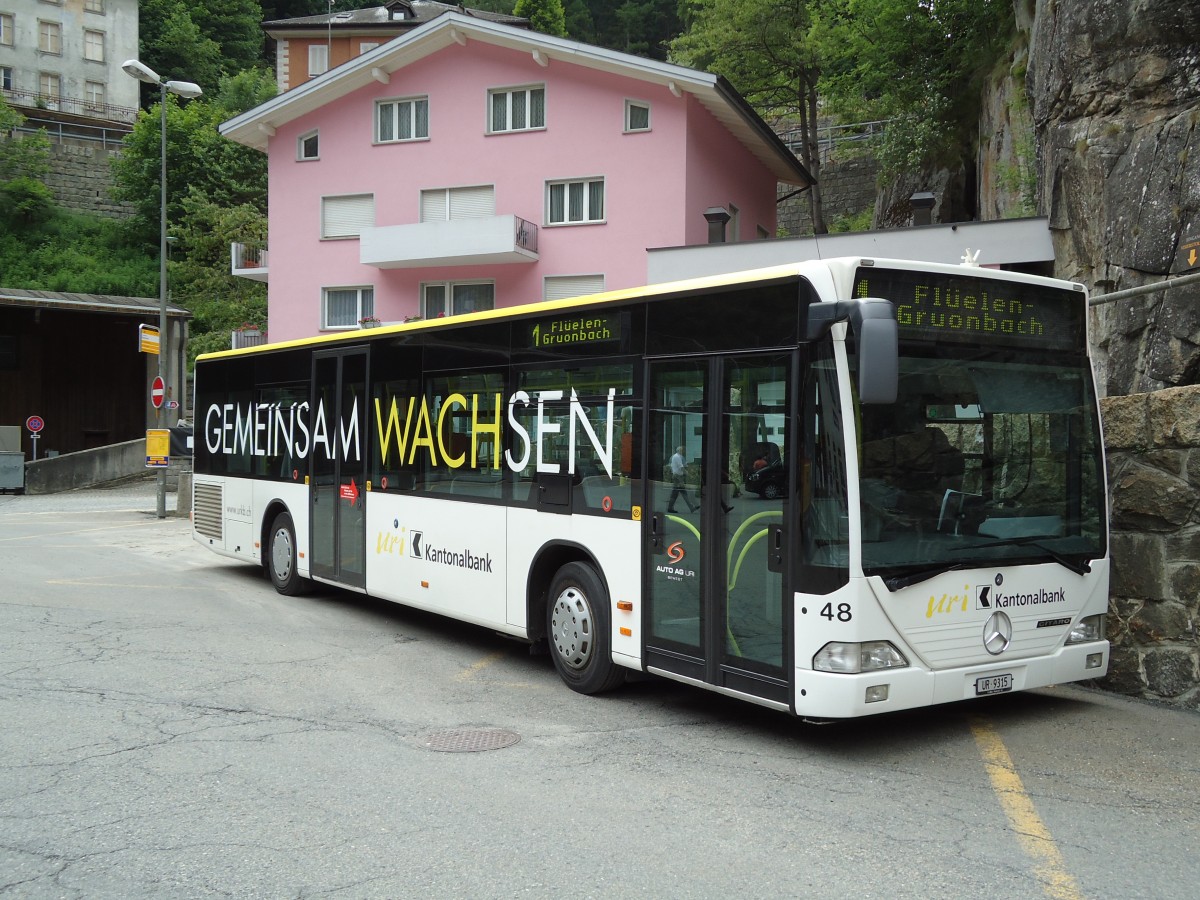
(922, 207)
(716, 216)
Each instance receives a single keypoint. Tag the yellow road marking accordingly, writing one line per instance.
(1032, 834)
(473, 670)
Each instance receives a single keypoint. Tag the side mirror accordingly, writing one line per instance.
(873, 322)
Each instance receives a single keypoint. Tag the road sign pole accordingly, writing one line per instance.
(35, 424)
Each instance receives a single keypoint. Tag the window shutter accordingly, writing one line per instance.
(472, 202)
(347, 216)
(433, 206)
(458, 203)
(561, 287)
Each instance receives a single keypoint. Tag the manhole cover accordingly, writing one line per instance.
(470, 740)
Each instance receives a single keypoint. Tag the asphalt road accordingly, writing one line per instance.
(172, 727)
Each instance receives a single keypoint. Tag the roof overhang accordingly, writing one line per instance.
(254, 127)
(103, 303)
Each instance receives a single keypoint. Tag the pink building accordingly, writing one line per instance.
(467, 165)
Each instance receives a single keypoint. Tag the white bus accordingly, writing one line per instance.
(835, 488)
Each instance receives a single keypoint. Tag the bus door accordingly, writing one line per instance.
(718, 501)
(338, 465)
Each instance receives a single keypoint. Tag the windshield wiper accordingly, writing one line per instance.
(1079, 566)
(899, 582)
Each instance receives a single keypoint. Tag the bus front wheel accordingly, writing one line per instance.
(578, 630)
(281, 556)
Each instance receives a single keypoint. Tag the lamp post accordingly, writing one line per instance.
(186, 89)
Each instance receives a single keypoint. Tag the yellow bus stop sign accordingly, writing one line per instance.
(158, 448)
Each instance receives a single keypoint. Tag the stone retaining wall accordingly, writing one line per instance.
(1153, 445)
(847, 187)
(80, 178)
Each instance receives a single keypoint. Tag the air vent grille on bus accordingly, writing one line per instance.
(207, 503)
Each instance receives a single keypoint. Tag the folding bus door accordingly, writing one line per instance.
(717, 609)
(338, 461)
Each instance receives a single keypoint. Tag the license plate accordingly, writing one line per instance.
(993, 684)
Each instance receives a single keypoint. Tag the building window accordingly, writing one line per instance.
(454, 298)
(637, 116)
(346, 217)
(93, 46)
(365, 46)
(445, 204)
(561, 287)
(50, 37)
(574, 202)
(49, 86)
(6, 81)
(402, 120)
(6, 29)
(734, 230)
(308, 146)
(318, 59)
(343, 307)
(95, 94)
(517, 109)
(96, 6)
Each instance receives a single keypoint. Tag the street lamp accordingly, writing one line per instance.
(186, 89)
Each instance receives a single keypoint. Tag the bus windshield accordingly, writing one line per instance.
(987, 458)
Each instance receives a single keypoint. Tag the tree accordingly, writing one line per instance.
(173, 45)
(919, 65)
(234, 26)
(197, 155)
(24, 161)
(546, 16)
(21, 156)
(769, 51)
(216, 195)
(201, 280)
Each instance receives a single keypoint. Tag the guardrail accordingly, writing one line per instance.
(107, 136)
(829, 137)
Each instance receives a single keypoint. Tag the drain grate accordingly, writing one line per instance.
(470, 740)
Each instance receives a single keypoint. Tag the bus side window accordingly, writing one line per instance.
(393, 421)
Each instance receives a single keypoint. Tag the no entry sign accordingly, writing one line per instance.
(157, 390)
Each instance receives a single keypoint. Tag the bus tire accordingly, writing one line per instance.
(282, 557)
(578, 630)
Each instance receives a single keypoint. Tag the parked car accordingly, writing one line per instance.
(769, 480)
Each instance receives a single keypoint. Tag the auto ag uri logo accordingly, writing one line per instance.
(675, 552)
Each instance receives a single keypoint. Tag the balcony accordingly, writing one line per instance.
(249, 261)
(487, 240)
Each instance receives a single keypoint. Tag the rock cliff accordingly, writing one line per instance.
(1113, 91)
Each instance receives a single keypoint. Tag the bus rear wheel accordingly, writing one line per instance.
(578, 630)
(282, 557)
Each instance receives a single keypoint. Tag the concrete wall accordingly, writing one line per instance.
(1153, 444)
(86, 468)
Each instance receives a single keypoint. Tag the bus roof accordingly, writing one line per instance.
(844, 265)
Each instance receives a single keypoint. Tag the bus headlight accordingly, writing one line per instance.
(851, 658)
(1089, 628)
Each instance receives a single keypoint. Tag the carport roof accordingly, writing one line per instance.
(103, 303)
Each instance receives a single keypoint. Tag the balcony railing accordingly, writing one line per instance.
(249, 260)
(38, 100)
(527, 235)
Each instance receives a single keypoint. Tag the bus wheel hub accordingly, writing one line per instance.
(571, 628)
